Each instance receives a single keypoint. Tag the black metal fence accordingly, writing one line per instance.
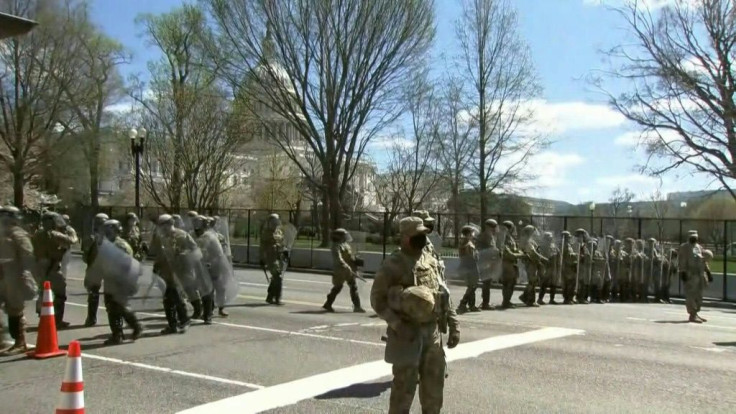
(378, 232)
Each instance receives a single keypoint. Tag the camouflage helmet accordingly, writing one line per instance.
(12, 213)
(424, 215)
(491, 223)
(581, 231)
(548, 235)
(467, 230)
(131, 215)
(528, 229)
(192, 214)
(415, 302)
(113, 225)
(165, 219)
(566, 234)
(629, 240)
(509, 225)
(651, 240)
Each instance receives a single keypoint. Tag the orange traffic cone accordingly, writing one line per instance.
(47, 343)
(71, 399)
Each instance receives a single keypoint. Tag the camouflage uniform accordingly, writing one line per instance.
(668, 270)
(569, 268)
(608, 276)
(583, 270)
(272, 257)
(598, 271)
(693, 268)
(511, 256)
(89, 253)
(639, 276)
(534, 263)
(174, 306)
(414, 348)
(132, 236)
(487, 240)
(344, 270)
(469, 270)
(17, 284)
(628, 273)
(50, 244)
(550, 271)
(117, 308)
(618, 270)
(652, 270)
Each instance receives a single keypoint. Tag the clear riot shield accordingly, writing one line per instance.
(219, 268)
(65, 262)
(222, 227)
(357, 241)
(490, 259)
(118, 271)
(290, 232)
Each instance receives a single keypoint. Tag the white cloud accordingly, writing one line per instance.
(120, 108)
(552, 167)
(625, 180)
(562, 117)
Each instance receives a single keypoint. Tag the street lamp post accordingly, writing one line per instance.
(137, 138)
(591, 207)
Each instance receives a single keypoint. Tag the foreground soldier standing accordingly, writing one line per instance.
(487, 242)
(569, 268)
(345, 267)
(405, 294)
(273, 255)
(693, 270)
(17, 284)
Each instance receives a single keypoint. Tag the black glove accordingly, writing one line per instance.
(155, 268)
(683, 276)
(710, 275)
(285, 254)
(453, 339)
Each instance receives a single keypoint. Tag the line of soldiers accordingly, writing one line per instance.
(587, 270)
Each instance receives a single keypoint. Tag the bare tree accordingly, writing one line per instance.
(276, 183)
(661, 209)
(680, 68)
(457, 143)
(331, 69)
(499, 67)
(96, 58)
(618, 198)
(31, 99)
(193, 135)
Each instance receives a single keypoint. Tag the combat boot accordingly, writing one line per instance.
(93, 303)
(355, 297)
(197, 309)
(462, 307)
(540, 299)
(223, 313)
(209, 308)
(133, 323)
(471, 303)
(694, 318)
(17, 324)
(59, 315)
(116, 326)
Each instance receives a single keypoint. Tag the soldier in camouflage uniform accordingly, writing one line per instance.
(273, 255)
(89, 253)
(405, 293)
(212, 223)
(569, 268)
(598, 270)
(584, 269)
(511, 256)
(652, 270)
(344, 270)
(695, 273)
(132, 236)
(534, 263)
(618, 269)
(117, 307)
(487, 240)
(50, 244)
(639, 276)
(550, 271)
(165, 239)
(608, 275)
(17, 284)
(468, 269)
(628, 261)
(669, 270)
(432, 239)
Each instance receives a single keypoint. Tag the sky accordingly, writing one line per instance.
(593, 147)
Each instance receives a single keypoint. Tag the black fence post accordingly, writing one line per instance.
(385, 232)
(564, 223)
(679, 281)
(725, 260)
(247, 243)
(639, 230)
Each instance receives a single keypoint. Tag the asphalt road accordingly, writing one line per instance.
(554, 359)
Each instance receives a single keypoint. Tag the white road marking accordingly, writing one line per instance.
(719, 350)
(292, 392)
(258, 328)
(169, 370)
(348, 324)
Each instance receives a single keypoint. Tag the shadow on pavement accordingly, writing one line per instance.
(251, 305)
(316, 312)
(724, 343)
(68, 328)
(370, 390)
(673, 322)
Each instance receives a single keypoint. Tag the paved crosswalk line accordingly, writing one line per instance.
(292, 392)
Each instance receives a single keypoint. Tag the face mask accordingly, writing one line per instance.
(693, 240)
(418, 242)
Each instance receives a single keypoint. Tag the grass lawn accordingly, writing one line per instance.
(717, 266)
